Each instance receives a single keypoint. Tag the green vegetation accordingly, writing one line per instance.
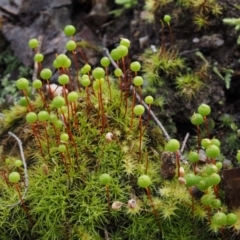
(125, 4)
(233, 22)
(93, 164)
(198, 12)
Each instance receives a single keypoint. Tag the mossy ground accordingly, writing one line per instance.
(65, 199)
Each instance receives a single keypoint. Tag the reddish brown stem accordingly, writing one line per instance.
(215, 188)
(162, 49)
(70, 135)
(26, 96)
(146, 165)
(5, 178)
(50, 90)
(101, 107)
(140, 139)
(43, 99)
(133, 103)
(22, 202)
(69, 157)
(38, 139)
(108, 82)
(148, 118)
(108, 198)
(56, 133)
(154, 209)
(206, 126)
(121, 88)
(140, 93)
(171, 35)
(192, 203)
(209, 214)
(46, 134)
(198, 138)
(65, 164)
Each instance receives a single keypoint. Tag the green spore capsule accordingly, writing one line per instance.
(22, 83)
(138, 81)
(58, 101)
(114, 55)
(197, 119)
(212, 151)
(193, 157)
(53, 117)
(33, 43)
(86, 68)
(38, 57)
(144, 181)
(69, 30)
(104, 179)
(219, 218)
(231, 219)
(46, 74)
(85, 81)
(118, 72)
(214, 179)
(61, 59)
(31, 117)
(72, 97)
(216, 142)
(62, 148)
(105, 61)
(23, 101)
(67, 64)
(135, 66)
(37, 84)
(18, 163)
(71, 45)
(125, 42)
(56, 64)
(204, 109)
(122, 51)
(14, 177)
(98, 73)
(64, 137)
(58, 124)
(167, 18)
(172, 145)
(206, 199)
(149, 100)
(191, 179)
(205, 142)
(63, 79)
(43, 116)
(216, 203)
(138, 109)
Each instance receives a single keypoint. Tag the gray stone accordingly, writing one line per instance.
(50, 25)
(99, 13)
(211, 42)
(16, 7)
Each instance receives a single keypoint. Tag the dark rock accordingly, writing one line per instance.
(48, 23)
(211, 42)
(99, 13)
(17, 7)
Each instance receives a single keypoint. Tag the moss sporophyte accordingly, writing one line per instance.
(94, 167)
